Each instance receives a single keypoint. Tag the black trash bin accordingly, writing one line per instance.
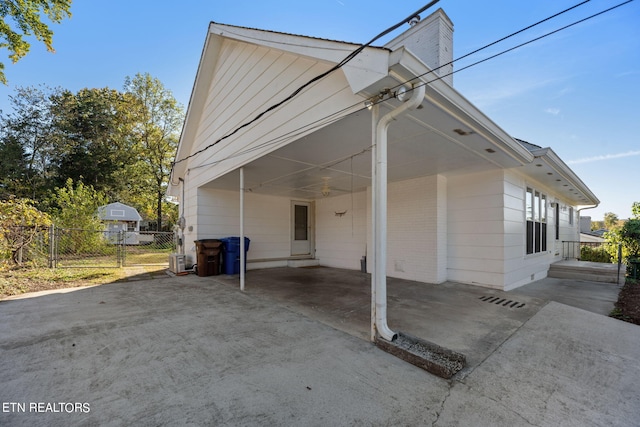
(209, 254)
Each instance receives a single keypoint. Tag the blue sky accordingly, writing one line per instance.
(577, 91)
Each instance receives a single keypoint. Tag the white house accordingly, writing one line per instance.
(119, 217)
(427, 189)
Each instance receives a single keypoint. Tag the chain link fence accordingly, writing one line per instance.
(69, 247)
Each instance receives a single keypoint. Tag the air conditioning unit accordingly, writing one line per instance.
(176, 263)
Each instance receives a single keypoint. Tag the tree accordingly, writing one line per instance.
(13, 167)
(75, 206)
(92, 133)
(610, 220)
(31, 126)
(158, 118)
(630, 237)
(627, 235)
(20, 223)
(26, 17)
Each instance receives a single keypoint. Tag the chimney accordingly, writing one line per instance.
(431, 40)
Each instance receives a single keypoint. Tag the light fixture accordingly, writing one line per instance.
(325, 187)
(369, 104)
(462, 132)
(401, 94)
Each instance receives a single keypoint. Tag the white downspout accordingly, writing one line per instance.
(242, 254)
(375, 116)
(379, 279)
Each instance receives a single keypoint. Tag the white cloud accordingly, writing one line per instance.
(495, 91)
(604, 157)
(554, 111)
(626, 73)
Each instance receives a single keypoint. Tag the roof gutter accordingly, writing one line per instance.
(548, 156)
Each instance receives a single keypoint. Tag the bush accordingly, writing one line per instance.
(20, 224)
(598, 254)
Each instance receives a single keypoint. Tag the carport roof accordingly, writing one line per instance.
(447, 134)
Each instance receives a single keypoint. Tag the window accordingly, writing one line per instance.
(301, 222)
(557, 219)
(536, 216)
(570, 216)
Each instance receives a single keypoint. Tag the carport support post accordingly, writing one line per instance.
(242, 254)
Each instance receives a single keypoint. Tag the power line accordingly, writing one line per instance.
(307, 84)
(514, 47)
(321, 122)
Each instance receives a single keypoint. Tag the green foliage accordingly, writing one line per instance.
(26, 17)
(13, 167)
(76, 207)
(31, 127)
(119, 143)
(598, 254)
(20, 223)
(610, 220)
(630, 237)
(627, 235)
(91, 134)
(158, 118)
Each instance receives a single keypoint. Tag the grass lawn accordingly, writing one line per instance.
(19, 280)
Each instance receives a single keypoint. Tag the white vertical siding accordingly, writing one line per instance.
(341, 241)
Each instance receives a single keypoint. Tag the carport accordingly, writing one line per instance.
(387, 123)
(470, 320)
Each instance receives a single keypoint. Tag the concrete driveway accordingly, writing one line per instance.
(196, 351)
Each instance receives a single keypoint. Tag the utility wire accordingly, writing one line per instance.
(318, 123)
(307, 84)
(334, 117)
(515, 47)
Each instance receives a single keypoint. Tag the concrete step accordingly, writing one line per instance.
(588, 271)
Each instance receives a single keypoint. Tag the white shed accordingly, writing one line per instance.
(119, 217)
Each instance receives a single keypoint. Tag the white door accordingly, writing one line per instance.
(301, 231)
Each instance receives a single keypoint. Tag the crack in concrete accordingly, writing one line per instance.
(466, 373)
(444, 400)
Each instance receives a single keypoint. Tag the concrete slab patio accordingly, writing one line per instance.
(197, 351)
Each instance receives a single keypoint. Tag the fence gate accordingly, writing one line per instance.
(98, 248)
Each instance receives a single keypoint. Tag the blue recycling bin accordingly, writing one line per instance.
(231, 254)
